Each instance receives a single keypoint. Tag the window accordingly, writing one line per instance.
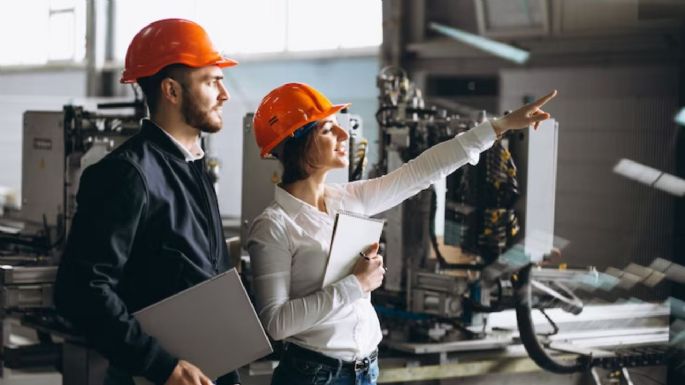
(132, 15)
(36, 32)
(247, 27)
(319, 25)
(262, 26)
(42, 31)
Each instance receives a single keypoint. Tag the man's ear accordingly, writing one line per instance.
(171, 90)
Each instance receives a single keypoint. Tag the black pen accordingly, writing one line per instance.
(361, 253)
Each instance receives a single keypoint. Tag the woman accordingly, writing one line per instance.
(331, 333)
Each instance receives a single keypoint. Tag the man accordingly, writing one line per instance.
(147, 224)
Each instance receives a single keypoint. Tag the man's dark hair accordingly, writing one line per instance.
(150, 85)
(295, 156)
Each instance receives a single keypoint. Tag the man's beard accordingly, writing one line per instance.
(194, 116)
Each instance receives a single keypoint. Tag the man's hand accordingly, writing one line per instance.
(186, 373)
(524, 116)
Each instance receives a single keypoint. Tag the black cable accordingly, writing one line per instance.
(442, 262)
(383, 123)
(555, 328)
(526, 327)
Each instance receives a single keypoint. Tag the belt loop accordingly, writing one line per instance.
(284, 352)
(339, 368)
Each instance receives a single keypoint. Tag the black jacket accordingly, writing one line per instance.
(147, 226)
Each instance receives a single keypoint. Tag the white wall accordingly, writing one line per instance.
(21, 91)
(607, 113)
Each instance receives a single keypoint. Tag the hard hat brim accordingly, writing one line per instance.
(266, 150)
(133, 75)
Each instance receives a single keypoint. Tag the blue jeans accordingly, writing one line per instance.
(297, 370)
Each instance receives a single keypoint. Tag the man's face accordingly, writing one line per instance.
(204, 94)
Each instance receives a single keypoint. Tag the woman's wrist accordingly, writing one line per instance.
(361, 283)
(497, 127)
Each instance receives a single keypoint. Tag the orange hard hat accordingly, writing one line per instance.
(286, 109)
(170, 41)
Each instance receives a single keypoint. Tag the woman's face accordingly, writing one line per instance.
(330, 145)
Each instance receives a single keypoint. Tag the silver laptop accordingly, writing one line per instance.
(212, 325)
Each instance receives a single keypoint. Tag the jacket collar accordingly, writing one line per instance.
(154, 133)
(189, 156)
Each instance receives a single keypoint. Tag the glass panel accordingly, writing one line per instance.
(361, 23)
(61, 36)
(313, 26)
(258, 26)
(62, 4)
(133, 15)
(246, 27)
(27, 23)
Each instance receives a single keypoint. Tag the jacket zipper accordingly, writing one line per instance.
(210, 215)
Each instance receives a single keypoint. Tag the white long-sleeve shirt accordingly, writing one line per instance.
(289, 242)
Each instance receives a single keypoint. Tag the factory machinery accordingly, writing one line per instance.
(441, 290)
(57, 147)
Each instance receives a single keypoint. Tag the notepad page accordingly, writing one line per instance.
(352, 234)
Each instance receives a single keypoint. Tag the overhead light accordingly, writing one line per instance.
(496, 48)
(651, 177)
(680, 117)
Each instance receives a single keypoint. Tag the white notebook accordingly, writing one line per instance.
(352, 234)
(212, 325)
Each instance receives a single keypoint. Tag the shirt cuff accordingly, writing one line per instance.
(485, 135)
(351, 288)
(477, 140)
(161, 367)
(229, 379)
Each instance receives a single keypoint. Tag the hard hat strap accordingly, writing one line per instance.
(302, 131)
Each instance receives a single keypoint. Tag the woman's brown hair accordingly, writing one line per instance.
(296, 156)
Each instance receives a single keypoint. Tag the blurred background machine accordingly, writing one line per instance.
(57, 147)
(482, 242)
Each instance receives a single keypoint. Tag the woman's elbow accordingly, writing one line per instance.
(276, 333)
(273, 327)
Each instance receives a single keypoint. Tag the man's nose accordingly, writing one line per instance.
(223, 92)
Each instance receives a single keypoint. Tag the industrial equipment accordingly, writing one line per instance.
(57, 147)
(447, 286)
(452, 293)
